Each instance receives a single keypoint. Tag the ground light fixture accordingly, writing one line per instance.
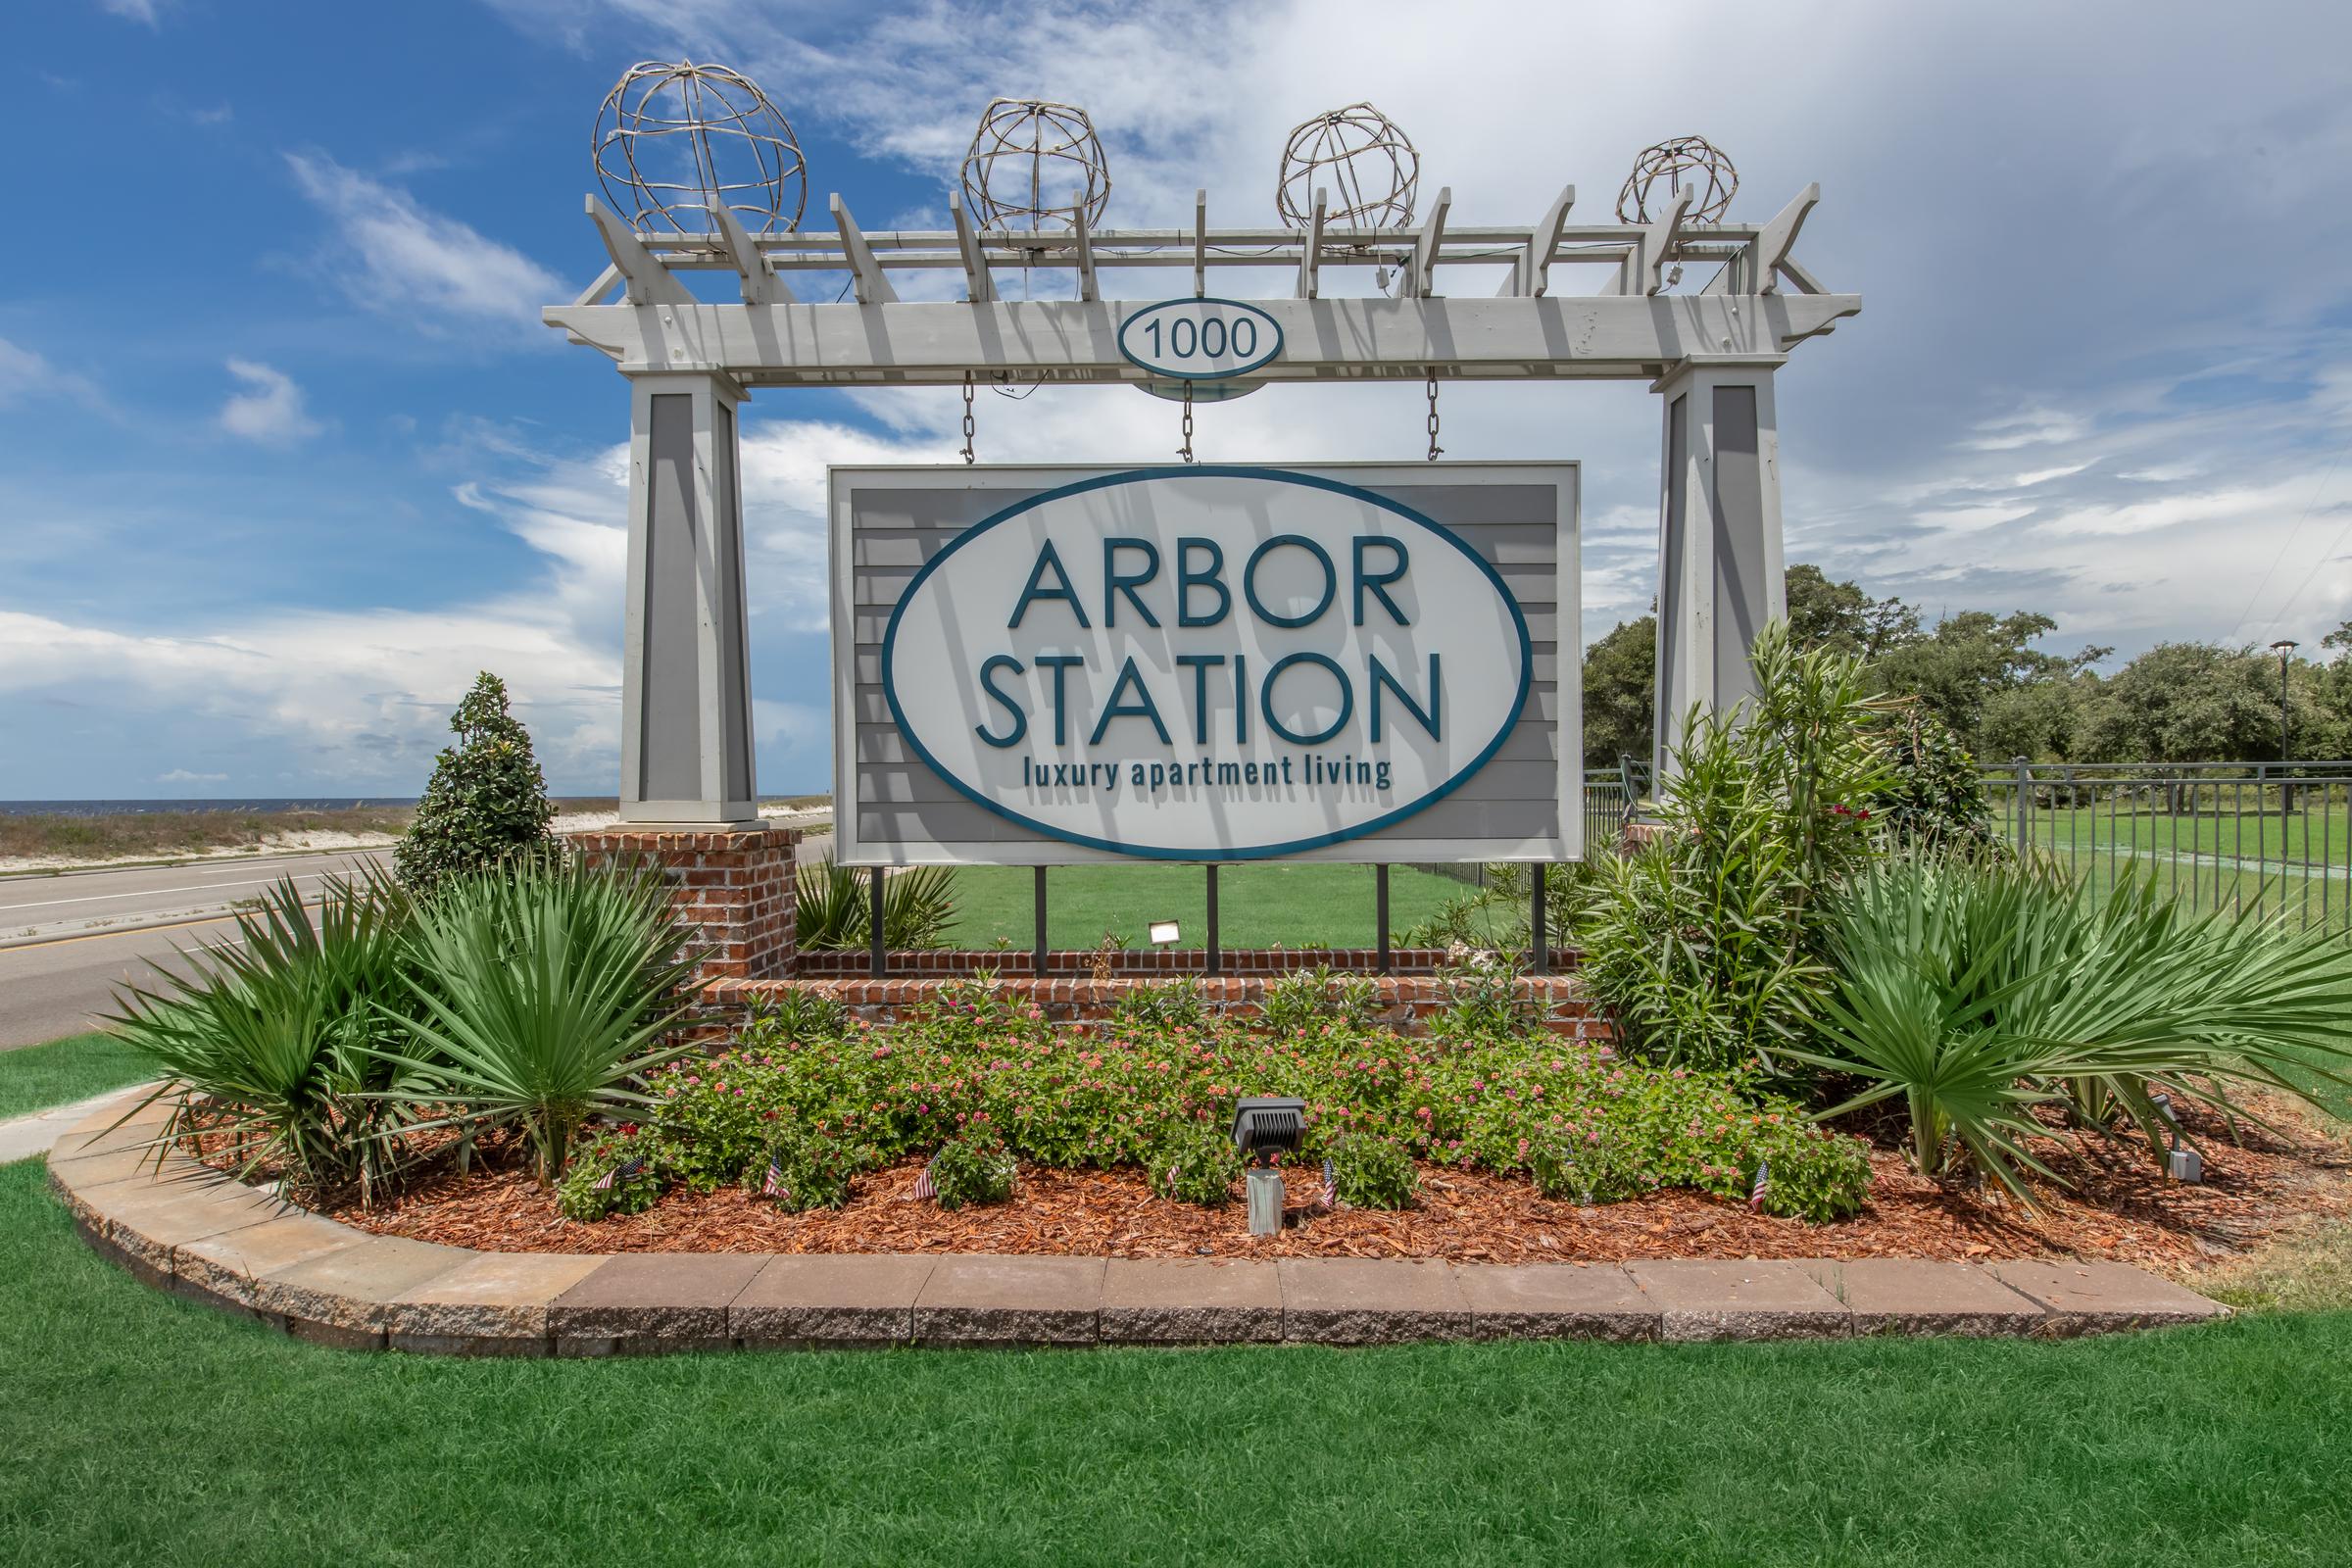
(1165, 933)
(1264, 1126)
(2181, 1163)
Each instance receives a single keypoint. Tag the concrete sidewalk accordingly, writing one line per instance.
(27, 1136)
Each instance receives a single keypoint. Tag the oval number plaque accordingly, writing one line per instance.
(1199, 340)
(1207, 664)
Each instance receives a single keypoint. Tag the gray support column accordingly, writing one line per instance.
(686, 698)
(1721, 573)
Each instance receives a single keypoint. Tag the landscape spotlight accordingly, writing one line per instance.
(2181, 1164)
(1263, 1126)
(1164, 933)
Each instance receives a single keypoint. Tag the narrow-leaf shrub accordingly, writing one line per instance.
(972, 1168)
(1705, 944)
(1485, 996)
(1306, 997)
(1373, 1171)
(1170, 1004)
(1194, 1163)
(835, 906)
(798, 1013)
(486, 800)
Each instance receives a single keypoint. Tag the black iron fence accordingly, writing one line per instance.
(2236, 836)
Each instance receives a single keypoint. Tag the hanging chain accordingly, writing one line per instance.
(970, 426)
(1434, 448)
(1186, 451)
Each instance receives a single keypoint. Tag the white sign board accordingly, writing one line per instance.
(1205, 662)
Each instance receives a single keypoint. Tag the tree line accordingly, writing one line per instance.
(2003, 695)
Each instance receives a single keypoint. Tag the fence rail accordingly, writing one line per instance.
(2238, 836)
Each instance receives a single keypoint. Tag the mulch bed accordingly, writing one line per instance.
(2120, 1207)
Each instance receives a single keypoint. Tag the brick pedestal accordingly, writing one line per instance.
(734, 890)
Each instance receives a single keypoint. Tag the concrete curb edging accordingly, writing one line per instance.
(180, 1227)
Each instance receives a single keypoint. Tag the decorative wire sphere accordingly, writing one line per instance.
(1363, 156)
(1668, 163)
(1032, 163)
(673, 141)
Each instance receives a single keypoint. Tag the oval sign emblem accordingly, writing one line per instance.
(1206, 662)
(1199, 340)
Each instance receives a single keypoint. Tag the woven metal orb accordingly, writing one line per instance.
(1034, 163)
(673, 141)
(1660, 171)
(1363, 157)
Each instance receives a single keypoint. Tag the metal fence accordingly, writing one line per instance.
(2238, 836)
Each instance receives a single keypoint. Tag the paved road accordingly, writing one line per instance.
(55, 984)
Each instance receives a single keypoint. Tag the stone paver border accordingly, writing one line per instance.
(180, 1227)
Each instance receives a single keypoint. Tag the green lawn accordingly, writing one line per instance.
(1258, 905)
(62, 1071)
(145, 1429)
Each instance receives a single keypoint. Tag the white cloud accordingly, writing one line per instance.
(271, 409)
(181, 775)
(398, 255)
(149, 12)
(27, 376)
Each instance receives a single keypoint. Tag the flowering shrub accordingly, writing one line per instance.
(972, 1168)
(812, 1171)
(1594, 1167)
(577, 1195)
(1194, 1163)
(1371, 1171)
(980, 1056)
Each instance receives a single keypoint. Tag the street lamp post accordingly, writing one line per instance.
(2285, 648)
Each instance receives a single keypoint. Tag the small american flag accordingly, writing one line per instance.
(924, 1187)
(620, 1173)
(1331, 1185)
(1755, 1194)
(774, 1185)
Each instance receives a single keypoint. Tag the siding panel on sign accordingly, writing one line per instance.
(888, 523)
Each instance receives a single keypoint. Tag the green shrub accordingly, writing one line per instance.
(1305, 998)
(552, 986)
(1977, 991)
(633, 1190)
(1065, 1099)
(486, 800)
(1485, 996)
(273, 1038)
(835, 906)
(1372, 1171)
(1194, 1163)
(1705, 945)
(801, 1013)
(1171, 1004)
(1592, 1167)
(812, 1171)
(709, 1122)
(972, 1168)
(1934, 796)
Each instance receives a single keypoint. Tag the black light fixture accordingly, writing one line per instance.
(1263, 1126)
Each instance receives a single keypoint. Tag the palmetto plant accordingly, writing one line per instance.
(918, 905)
(1978, 991)
(271, 1038)
(541, 993)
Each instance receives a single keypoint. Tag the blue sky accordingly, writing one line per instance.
(285, 454)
